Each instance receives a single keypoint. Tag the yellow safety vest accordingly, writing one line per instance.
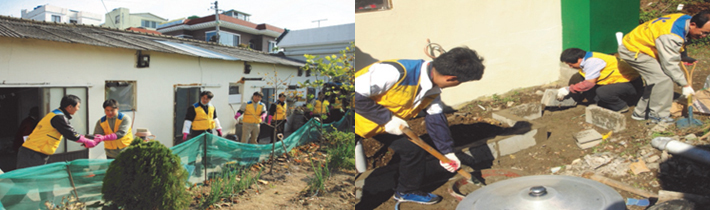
(204, 120)
(611, 74)
(253, 114)
(118, 143)
(643, 38)
(45, 138)
(338, 104)
(399, 99)
(321, 107)
(280, 112)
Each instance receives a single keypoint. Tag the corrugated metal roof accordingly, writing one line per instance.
(111, 37)
(197, 51)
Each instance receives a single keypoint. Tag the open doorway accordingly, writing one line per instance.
(15, 106)
(184, 97)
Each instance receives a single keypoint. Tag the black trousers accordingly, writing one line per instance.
(412, 166)
(613, 96)
(28, 158)
(279, 126)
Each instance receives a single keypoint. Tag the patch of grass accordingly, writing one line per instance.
(321, 173)
(664, 133)
(232, 182)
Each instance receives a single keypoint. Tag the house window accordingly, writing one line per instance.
(118, 19)
(124, 92)
(72, 21)
(372, 5)
(225, 38)
(148, 24)
(56, 18)
(268, 96)
(235, 93)
(251, 45)
(272, 47)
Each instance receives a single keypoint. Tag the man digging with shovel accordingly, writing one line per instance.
(389, 92)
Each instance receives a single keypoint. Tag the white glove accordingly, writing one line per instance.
(562, 92)
(393, 126)
(687, 91)
(453, 164)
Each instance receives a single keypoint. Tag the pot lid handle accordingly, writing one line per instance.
(537, 191)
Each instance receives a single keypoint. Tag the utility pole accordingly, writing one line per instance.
(318, 21)
(216, 16)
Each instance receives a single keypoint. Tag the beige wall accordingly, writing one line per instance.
(519, 39)
(61, 64)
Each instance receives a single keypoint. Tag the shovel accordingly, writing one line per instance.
(416, 140)
(690, 121)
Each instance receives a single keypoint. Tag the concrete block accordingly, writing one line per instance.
(506, 117)
(605, 118)
(516, 143)
(549, 99)
(529, 111)
(589, 144)
(566, 74)
(587, 136)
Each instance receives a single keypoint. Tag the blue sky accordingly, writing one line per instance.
(291, 14)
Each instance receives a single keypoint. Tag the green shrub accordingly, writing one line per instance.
(146, 175)
(340, 149)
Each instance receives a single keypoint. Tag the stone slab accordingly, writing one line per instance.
(529, 111)
(587, 136)
(589, 144)
(605, 118)
(549, 99)
(506, 117)
(503, 145)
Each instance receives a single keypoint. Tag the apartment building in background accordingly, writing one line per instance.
(51, 13)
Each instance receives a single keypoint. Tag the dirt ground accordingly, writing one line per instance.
(559, 150)
(285, 187)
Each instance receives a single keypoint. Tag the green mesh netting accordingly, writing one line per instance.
(203, 156)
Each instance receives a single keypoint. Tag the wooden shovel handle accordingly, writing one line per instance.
(416, 140)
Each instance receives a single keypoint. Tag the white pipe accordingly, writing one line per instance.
(360, 163)
(679, 148)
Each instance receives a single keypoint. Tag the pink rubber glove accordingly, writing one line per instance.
(263, 117)
(88, 143)
(184, 136)
(237, 115)
(219, 132)
(100, 138)
(270, 118)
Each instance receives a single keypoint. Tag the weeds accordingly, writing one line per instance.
(228, 186)
(317, 184)
(664, 133)
(340, 149)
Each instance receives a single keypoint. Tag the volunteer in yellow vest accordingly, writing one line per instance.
(605, 83)
(321, 106)
(254, 114)
(201, 117)
(277, 115)
(45, 138)
(114, 128)
(389, 92)
(654, 50)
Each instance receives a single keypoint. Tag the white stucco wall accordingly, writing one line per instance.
(520, 40)
(36, 61)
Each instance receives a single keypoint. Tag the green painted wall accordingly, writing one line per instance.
(591, 24)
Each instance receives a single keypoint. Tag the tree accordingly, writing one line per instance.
(336, 71)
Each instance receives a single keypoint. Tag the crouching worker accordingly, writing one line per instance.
(114, 129)
(389, 92)
(605, 82)
(45, 138)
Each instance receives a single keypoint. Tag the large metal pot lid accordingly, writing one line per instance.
(544, 192)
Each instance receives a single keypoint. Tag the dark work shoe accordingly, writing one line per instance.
(624, 110)
(417, 197)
